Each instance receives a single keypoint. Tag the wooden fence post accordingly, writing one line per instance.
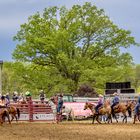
(30, 109)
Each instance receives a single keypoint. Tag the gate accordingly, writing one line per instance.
(35, 111)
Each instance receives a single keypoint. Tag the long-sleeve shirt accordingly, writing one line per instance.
(4, 102)
(116, 100)
(100, 101)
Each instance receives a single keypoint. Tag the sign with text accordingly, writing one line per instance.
(47, 117)
(24, 117)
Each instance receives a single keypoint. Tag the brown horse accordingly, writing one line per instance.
(122, 108)
(105, 110)
(14, 112)
(4, 113)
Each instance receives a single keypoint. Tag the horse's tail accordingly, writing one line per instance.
(18, 113)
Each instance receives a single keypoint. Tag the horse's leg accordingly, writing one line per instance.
(12, 117)
(93, 119)
(97, 119)
(111, 118)
(108, 118)
(139, 117)
(105, 118)
(134, 119)
(8, 117)
(16, 118)
(115, 118)
(57, 118)
(125, 117)
(72, 115)
(67, 117)
(1, 120)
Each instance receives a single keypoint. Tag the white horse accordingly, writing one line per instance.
(53, 106)
(68, 112)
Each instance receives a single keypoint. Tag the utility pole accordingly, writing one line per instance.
(1, 64)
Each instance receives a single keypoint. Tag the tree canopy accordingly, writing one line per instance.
(81, 43)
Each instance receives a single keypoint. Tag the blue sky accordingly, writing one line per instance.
(13, 13)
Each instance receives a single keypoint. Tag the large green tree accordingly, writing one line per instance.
(80, 43)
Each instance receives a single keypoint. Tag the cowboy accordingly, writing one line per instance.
(28, 95)
(3, 102)
(99, 103)
(42, 96)
(7, 96)
(15, 96)
(115, 101)
(137, 107)
(21, 97)
(60, 104)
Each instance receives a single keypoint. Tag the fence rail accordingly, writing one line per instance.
(32, 111)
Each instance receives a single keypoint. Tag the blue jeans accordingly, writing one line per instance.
(96, 108)
(114, 104)
(59, 107)
(112, 110)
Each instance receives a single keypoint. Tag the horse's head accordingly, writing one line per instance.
(86, 106)
(130, 105)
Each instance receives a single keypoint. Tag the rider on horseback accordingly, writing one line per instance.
(115, 101)
(3, 102)
(99, 103)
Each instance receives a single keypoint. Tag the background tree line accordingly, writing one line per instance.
(21, 77)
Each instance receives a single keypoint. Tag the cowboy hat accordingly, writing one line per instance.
(100, 95)
(115, 93)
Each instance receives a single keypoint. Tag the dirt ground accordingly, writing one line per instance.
(69, 131)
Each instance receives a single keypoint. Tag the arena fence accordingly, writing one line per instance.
(35, 111)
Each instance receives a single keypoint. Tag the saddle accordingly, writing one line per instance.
(116, 107)
(100, 107)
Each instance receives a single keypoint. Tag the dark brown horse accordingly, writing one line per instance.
(105, 110)
(4, 114)
(14, 112)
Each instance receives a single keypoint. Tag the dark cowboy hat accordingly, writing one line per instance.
(2, 97)
(61, 95)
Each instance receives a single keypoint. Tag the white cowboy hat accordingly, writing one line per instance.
(115, 93)
(15, 92)
(100, 95)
